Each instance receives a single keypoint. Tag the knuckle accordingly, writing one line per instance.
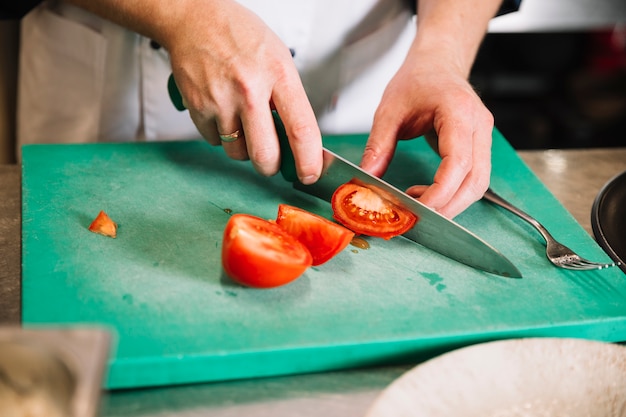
(477, 186)
(488, 118)
(301, 131)
(373, 152)
(197, 103)
(463, 162)
(265, 161)
(246, 89)
(480, 186)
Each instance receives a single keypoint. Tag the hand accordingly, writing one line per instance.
(430, 96)
(232, 70)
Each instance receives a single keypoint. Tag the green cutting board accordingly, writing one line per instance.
(177, 319)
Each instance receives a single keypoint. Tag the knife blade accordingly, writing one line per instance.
(432, 230)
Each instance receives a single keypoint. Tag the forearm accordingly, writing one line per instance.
(157, 19)
(453, 29)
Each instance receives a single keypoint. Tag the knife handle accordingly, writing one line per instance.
(287, 161)
(174, 92)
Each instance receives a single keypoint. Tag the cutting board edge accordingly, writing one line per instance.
(125, 373)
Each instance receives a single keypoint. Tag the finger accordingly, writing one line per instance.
(301, 127)
(232, 137)
(380, 146)
(261, 140)
(455, 145)
(206, 127)
(477, 181)
(234, 143)
(416, 191)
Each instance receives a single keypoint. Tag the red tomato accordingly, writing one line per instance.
(323, 238)
(259, 253)
(365, 212)
(104, 225)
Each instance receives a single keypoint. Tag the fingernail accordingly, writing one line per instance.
(310, 179)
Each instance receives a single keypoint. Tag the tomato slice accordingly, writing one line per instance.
(322, 237)
(259, 253)
(365, 212)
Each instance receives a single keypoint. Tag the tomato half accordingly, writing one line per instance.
(365, 212)
(322, 237)
(259, 253)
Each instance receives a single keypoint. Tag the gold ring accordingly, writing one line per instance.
(231, 137)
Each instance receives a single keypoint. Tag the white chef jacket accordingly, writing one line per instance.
(85, 79)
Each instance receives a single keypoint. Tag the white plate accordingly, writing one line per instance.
(553, 377)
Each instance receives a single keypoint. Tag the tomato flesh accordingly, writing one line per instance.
(103, 225)
(259, 253)
(365, 212)
(322, 237)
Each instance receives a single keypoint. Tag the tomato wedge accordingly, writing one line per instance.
(322, 237)
(259, 253)
(103, 225)
(365, 212)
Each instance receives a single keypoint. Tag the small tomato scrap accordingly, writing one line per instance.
(259, 253)
(103, 225)
(322, 237)
(365, 212)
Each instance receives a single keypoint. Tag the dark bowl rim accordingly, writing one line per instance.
(598, 222)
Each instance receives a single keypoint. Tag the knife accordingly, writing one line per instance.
(432, 230)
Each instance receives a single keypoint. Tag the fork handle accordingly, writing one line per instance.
(496, 199)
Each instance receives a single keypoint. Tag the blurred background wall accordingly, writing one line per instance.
(554, 74)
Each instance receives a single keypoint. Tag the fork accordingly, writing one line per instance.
(559, 254)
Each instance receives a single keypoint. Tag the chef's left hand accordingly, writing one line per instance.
(428, 95)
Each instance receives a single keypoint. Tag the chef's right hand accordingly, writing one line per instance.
(232, 70)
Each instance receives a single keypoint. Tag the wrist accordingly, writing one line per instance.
(452, 30)
(443, 53)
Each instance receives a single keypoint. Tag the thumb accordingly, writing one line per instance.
(380, 147)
